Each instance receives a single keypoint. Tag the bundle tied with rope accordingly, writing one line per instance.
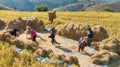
(43, 52)
(100, 33)
(75, 31)
(109, 50)
(103, 57)
(27, 31)
(18, 24)
(52, 15)
(72, 60)
(21, 23)
(59, 57)
(111, 44)
(2, 24)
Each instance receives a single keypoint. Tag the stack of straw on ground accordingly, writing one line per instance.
(19, 41)
(100, 33)
(75, 31)
(111, 44)
(71, 59)
(104, 57)
(21, 24)
(2, 24)
(109, 50)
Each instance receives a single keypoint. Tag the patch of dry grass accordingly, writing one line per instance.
(109, 20)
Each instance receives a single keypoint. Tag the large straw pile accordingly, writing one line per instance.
(16, 24)
(75, 31)
(109, 50)
(21, 24)
(103, 57)
(99, 33)
(72, 60)
(111, 44)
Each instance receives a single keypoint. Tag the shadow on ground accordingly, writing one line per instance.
(64, 49)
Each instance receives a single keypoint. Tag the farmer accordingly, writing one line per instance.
(52, 35)
(14, 32)
(82, 44)
(52, 16)
(27, 22)
(33, 34)
(90, 36)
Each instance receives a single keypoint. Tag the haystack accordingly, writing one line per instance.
(38, 51)
(16, 24)
(5, 35)
(27, 31)
(103, 57)
(59, 57)
(111, 44)
(95, 45)
(37, 25)
(21, 24)
(2, 24)
(29, 44)
(100, 33)
(12, 40)
(75, 31)
(43, 52)
(72, 60)
(52, 15)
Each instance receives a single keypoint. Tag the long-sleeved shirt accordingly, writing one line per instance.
(33, 33)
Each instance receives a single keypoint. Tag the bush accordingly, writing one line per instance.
(82, 10)
(108, 10)
(41, 8)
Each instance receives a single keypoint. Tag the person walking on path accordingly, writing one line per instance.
(33, 35)
(90, 36)
(14, 32)
(52, 16)
(82, 44)
(52, 35)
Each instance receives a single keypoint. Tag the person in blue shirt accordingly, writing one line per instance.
(52, 34)
(14, 32)
(90, 36)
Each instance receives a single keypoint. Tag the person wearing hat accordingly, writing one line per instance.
(33, 34)
(14, 32)
(81, 44)
(90, 36)
(52, 35)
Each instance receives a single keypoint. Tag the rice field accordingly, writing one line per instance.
(8, 56)
(109, 20)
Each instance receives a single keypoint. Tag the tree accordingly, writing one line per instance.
(108, 9)
(82, 9)
(41, 8)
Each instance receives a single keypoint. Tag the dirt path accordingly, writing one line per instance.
(65, 46)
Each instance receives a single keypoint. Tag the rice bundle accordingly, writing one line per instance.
(2, 24)
(75, 31)
(111, 44)
(103, 57)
